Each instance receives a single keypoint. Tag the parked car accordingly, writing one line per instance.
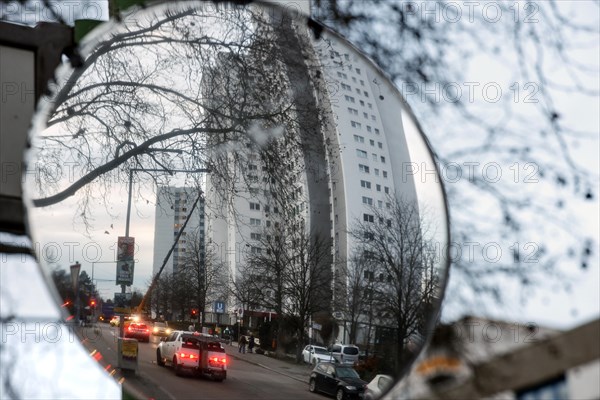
(341, 381)
(138, 331)
(378, 386)
(344, 353)
(315, 354)
(161, 329)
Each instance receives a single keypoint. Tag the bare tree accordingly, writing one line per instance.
(399, 250)
(359, 300)
(152, 96)
(208, 274)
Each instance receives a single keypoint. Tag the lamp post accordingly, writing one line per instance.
(75, 268)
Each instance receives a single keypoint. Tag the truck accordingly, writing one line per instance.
(192, 352)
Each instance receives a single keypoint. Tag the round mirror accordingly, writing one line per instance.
(242, 174)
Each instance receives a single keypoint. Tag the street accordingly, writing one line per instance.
(244, 379)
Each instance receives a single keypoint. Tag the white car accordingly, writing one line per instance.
(378, 386)
(315, 354)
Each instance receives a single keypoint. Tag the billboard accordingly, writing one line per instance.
(125, 262)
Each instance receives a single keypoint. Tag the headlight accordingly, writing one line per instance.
(350, 387)
(168, 330)
(155, 330)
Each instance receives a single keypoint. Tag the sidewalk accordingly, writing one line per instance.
(289, 368)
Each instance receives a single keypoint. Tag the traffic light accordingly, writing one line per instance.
(92, 302)
(194, 313)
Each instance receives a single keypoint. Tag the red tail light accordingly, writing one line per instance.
(215, 361)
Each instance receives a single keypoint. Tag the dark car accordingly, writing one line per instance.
(341, 381)
(138, 331)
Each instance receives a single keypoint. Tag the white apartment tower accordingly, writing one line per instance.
(173, 207)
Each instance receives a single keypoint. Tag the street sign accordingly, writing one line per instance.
(125, 262)
(219, 307)
(122, 303)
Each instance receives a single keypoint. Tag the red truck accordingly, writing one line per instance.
(192, 352)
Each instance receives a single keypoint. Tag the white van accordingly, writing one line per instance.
(344, 353)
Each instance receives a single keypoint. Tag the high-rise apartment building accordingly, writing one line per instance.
(352, 156)
(173, 207)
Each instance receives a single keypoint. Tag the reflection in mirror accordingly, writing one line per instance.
(243, 178)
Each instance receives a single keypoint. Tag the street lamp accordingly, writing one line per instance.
(75, 268)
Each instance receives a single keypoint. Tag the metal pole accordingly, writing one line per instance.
(129, 202)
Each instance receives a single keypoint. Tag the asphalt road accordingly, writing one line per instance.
(244, 380)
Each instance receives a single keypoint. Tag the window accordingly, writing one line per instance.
(355, 124)
(365, 115)
(362, 83)
(255, 206)
(385, 174)
(363, 168)
(352, 110)
(349, 98)
(376, 131)
(346, 87)
(359, 139)
(374, 157)
(358, 71)
(368, 218)
(379, 203)
(376, 171)
(370, 105)
(362, 103)
(382, 158)
(267, 209)
(380, 145)
(367, 200)
(369, 129)
(252, 167)
(387, 190)
(378, 187)
(354, 79)
(255, 250)
(374, 118)
(361, 153)
(255, 236)
(366, 94)
(365, 184)
(342, 75)
(372, 142)
(254, 221)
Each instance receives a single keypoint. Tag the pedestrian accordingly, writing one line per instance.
(243, 342)
(251, 343)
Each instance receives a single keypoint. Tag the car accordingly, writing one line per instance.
(341, 381)
(378, 386)
(315, 354)
(137, 330)
(114, 321)
(344, 353)
(194, 352)
(161, 329)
